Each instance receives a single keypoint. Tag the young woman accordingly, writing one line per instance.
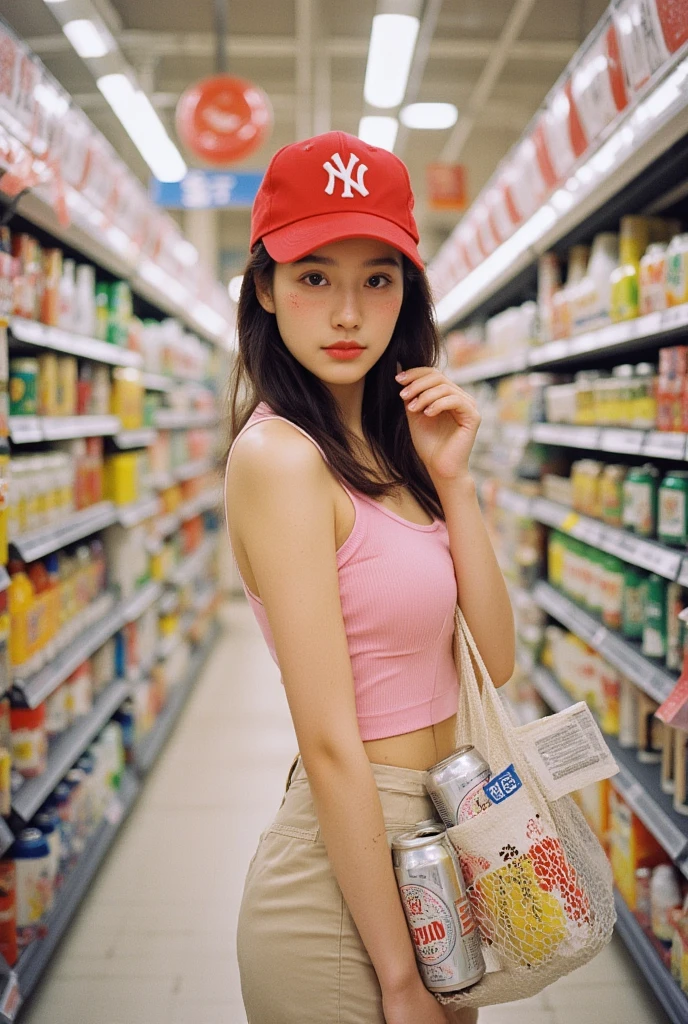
(354, 524)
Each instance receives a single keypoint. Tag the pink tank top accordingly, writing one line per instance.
(398, 594)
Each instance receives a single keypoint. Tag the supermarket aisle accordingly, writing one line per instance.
(154, 943)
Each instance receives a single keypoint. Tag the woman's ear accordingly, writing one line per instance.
(264, 295)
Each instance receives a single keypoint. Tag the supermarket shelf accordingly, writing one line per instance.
(28, 429)
(157, 382)
(35, 958)
(10, 996)
(628, 157)
(193, 564)
(620, 653)
(621, 440)
(647, 554)
(169, 644)
(37, 543)
(636, 782)
(37, 687)
(172, 419)
(143, 437)
(655, 329)
(674, 1002)
(150, 746)
(138, 511)
(67, 749)
(191, 469)
(168, 602)
(188, 510)
(136, 605)
(29, 332)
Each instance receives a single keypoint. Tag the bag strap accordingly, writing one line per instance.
(482, 718)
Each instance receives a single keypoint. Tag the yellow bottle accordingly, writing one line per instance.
(635, 236)
(23, 621)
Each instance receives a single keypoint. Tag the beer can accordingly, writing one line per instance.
(456, 785)
(433, 894)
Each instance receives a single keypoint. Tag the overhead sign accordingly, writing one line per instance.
(446, 187)
(223, 119)
(207, 190)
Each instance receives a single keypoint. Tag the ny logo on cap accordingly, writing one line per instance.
(345, 174)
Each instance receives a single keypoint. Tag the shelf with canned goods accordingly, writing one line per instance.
(148, 748)
(141, 437)
(31, 332)
(646, 554)
(673, 1000)
(67, 749)
(29, 429)
(33, 545)
(138, 511)
(36, 956)
(654, 329)
(636, 782)
(173, 419)
(622, 654)
(653, 444)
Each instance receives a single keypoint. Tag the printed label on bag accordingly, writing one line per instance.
(502, 786)
(567, 751)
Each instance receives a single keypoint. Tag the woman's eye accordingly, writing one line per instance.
(314, 279)
(377, 281)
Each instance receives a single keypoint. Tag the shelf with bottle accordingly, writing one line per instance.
(651, 444)
(148, 748)
(36, 334)
(207, 500)
(139, 437)
(67, 748)
(29, 429)
(643, 951)
(623, 654)
(173, 419)
(193, 565)
(652, 555)
(598, 133)
(76, 526)
(637, 783)
(138, 511)
(36, 956)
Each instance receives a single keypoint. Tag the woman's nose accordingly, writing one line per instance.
(347, 313)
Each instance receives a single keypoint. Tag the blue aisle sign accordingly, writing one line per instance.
(207, 190)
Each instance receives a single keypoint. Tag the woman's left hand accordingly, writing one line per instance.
(443, 421)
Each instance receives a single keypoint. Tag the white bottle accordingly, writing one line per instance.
(67, 293)
(85, 300)
(665, 896)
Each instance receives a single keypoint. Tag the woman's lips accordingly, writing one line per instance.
(344, 354)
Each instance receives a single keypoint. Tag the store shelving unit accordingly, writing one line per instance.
(30, 332)
(193, 564)
(138, 511)
(651, 444)
(27, 429)
(148, 748)
(141, 437)
(67, 749)
(622, 654)
(172, 419)
(77, 526)
(35, 958)
(638, 785)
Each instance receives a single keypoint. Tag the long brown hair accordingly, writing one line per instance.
(265, 371)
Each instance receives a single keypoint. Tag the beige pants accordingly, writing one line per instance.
(301, 958)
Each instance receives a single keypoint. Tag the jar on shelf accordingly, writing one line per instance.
(645, 397)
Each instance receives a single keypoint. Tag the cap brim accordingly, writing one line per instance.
(297, 240)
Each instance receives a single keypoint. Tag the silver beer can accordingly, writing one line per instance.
(440, 919)
(456, 785)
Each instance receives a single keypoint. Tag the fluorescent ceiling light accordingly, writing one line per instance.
(85, 38)
(143, 126)
(392, 42)
(379, 131)
(234, 287)
(429, 115)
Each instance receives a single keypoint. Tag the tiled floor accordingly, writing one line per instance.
(154, 943)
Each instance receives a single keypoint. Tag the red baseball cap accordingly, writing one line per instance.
(331, 187)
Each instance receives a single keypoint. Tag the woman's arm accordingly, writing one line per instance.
(280, 500)
(482, 592)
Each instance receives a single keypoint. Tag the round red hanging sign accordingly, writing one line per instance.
(223, 119)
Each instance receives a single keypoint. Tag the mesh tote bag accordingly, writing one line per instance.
(538, 880)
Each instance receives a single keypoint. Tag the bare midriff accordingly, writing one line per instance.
(419, 749)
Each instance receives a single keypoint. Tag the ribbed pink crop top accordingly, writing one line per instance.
(398, 594)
